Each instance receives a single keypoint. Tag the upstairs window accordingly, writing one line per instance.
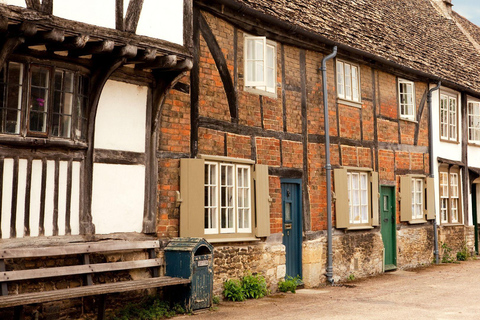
(43, 101)
(474, 122)
(448, 117)
(260, 64)
(348, 81)
(406, 99)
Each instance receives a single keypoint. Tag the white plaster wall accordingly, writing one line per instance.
(97, 12)
(118, 198)
(162, 19)
(7, 197)
(121, 117)
(62, 196)
(75, 201)
(49, 198)
(473, 150)
(35, 194)
(19, 3)
(21, 190)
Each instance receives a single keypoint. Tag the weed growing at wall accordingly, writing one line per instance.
(463, 254)
(151, 308)
(446, 253)
(250, 287)
(289, 284)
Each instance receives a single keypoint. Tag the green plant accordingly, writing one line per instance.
(254, 286)
(289, 284)
(446, 253)
(351, 277)
(151, 308)
(233, 290)
(216, 299)
(462, 255)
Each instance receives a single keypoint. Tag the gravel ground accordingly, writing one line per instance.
(447, 291)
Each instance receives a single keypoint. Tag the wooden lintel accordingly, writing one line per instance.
(43, 37)
(128, 51)
(70, 43)
(163, 62)
(94, 47)
(145, 55)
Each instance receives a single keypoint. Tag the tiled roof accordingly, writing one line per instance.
(470, 27)
(411, 33)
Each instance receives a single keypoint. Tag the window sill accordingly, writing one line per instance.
(449, 141)
(408, 120)
(474, 143)
(359, 228)
(456, 224)
(220, 240)
(350, 103)
(419, 221)
(41, 142)
(264, 93)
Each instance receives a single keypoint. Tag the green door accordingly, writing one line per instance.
(292, 225)
(388, 218)
(474, 213)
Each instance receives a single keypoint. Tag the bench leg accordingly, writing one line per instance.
(18, 313)
(101, 307)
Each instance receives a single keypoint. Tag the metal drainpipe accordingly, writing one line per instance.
(432, 165)
(328, 165)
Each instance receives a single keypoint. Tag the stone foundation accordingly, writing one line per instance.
(355, 254)
(456, 238)
(234, 260)
(415, 246)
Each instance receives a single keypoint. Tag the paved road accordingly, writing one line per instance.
(449, 291)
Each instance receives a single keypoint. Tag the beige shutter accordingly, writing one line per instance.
(430, 200)
(192, 194)
(341, 198)
(262, 201)
(375, 199)
(405, 198)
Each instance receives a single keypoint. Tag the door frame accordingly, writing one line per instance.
(394, 236)
(299, 183)
(473, 191)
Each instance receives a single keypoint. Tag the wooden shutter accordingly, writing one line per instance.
(262, 201)
(405, 198)
(192, 194)
(375, 198)
(342, 210)
(430, 198)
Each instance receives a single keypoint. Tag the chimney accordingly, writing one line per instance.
(445, 6)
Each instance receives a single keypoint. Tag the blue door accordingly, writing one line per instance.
(292, 225)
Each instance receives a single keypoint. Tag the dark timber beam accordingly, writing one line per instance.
(94, 47)
(70, 43)
(133, 15)
(3, 24)
(119, 23)
(145, 55)
(162, 62)
(43, 37)
(128, 51)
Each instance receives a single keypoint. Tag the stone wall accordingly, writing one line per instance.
(354, 253)
(232, 261)
(414, 246)
(456, 238)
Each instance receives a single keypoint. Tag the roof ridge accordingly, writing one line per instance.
(466, 33)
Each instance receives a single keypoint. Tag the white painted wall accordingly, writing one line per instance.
(35, 194)
(121, 117)
(7, 197)
(473, 150)
(18, 3)
(97, 12)
(118, 198)
(75, 202)
(22, 186)
(161, 19)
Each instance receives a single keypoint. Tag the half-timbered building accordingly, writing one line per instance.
(82, 85)
(253, 179)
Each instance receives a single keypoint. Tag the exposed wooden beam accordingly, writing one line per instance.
(94, 47)
(43, 37)
(70, 43)
(185, 65)
(133, 15)
(3, 24)
(127, 51)
(163, 62)
(119, 23)
(144, 55)
(26, 29)
(33, 4)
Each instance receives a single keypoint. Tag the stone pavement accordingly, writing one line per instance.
(447, 291)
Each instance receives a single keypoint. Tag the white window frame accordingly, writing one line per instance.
(406, 106)
(358, 198)
(448, 117)
(220, 208)
(444, 196)
(454, 197)
(474, 121)
(417, 198)
(450, 192)
(262, 85)
(348, 85)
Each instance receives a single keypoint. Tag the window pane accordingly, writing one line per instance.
(340, 82)
(355, 84)
(38, 99)
(348, 82)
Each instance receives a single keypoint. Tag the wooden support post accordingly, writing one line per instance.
(4, 284)
(88, 277)
(18, 313)
(101, 305)
(155, 270)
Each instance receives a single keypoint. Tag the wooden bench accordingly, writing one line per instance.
(85, 268)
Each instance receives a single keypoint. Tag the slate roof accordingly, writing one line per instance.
(411, 33)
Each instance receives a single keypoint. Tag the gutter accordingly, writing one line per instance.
(292, 29)
(432, 165)
(328, 166)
